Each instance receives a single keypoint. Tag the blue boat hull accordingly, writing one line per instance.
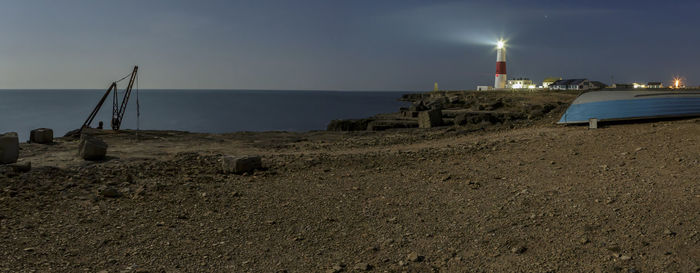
(624, 105)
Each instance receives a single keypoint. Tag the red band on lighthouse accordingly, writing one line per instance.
(501, 68)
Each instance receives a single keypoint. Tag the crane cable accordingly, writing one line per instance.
(138, 108)
(123, 78)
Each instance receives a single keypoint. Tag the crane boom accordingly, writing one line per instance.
(118, 109)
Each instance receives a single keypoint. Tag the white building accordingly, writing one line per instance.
(519, 83)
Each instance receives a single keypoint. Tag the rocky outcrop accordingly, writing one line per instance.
(464, 108)
(430, 118)
(381, 125)
(349, 124)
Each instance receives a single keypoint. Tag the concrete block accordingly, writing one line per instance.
(41, 135)
(240, 164)
(592, 123)
(9, 148)
(92, 148)
(430, 118)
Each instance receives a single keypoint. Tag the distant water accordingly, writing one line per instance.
(211, 111)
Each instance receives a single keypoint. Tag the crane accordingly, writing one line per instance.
(118, 109)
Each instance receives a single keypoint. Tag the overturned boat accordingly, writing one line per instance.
(628, 105)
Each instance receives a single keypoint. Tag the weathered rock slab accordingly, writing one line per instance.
(92, 148)
(430, 118)
(41, 136)
(9, 148)
(240, 164)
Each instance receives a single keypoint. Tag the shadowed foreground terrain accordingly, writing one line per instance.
(541, 198)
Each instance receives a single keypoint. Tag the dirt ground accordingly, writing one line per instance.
(541, 198)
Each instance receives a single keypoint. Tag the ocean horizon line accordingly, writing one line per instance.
(204, 89)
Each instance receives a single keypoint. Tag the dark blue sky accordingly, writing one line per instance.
(342, 45)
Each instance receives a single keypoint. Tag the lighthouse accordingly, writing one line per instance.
(500, 82)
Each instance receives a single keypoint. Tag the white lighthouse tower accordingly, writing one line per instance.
(500, 82)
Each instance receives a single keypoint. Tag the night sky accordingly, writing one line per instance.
(342, 45)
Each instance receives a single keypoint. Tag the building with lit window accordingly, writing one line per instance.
(518, 83)
(655, 85)
(546, 82)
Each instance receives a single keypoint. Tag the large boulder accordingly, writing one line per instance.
(240, 164)
(9, 148)
(92, 148)
(41, 136)
(430, 118)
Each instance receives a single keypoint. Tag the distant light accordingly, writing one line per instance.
(532, 86)
(517, 86)
(677, 82)
(500, 44)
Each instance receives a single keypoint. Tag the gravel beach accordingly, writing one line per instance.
(528, 197)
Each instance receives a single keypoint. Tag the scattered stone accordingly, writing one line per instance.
(41, 136)
(110, 192)
(518, 249)
(16, 168)
(638, 149)
(669, 232)
(414, 257)
(625, 258)
(9, 148)
(584, 241)
(430, 118)
(362, 267)
(336, 268)
(242, 164)
(92, 148)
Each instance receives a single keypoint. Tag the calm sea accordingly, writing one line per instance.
(211, 111)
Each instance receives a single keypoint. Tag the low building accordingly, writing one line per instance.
(518, 83)
(546, 82)
(596, 85)
(484, 88)
(655, 85)
(623, 85)
(572, 84)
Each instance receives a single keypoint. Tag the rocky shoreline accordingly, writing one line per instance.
(465, 108)
(504, 190)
